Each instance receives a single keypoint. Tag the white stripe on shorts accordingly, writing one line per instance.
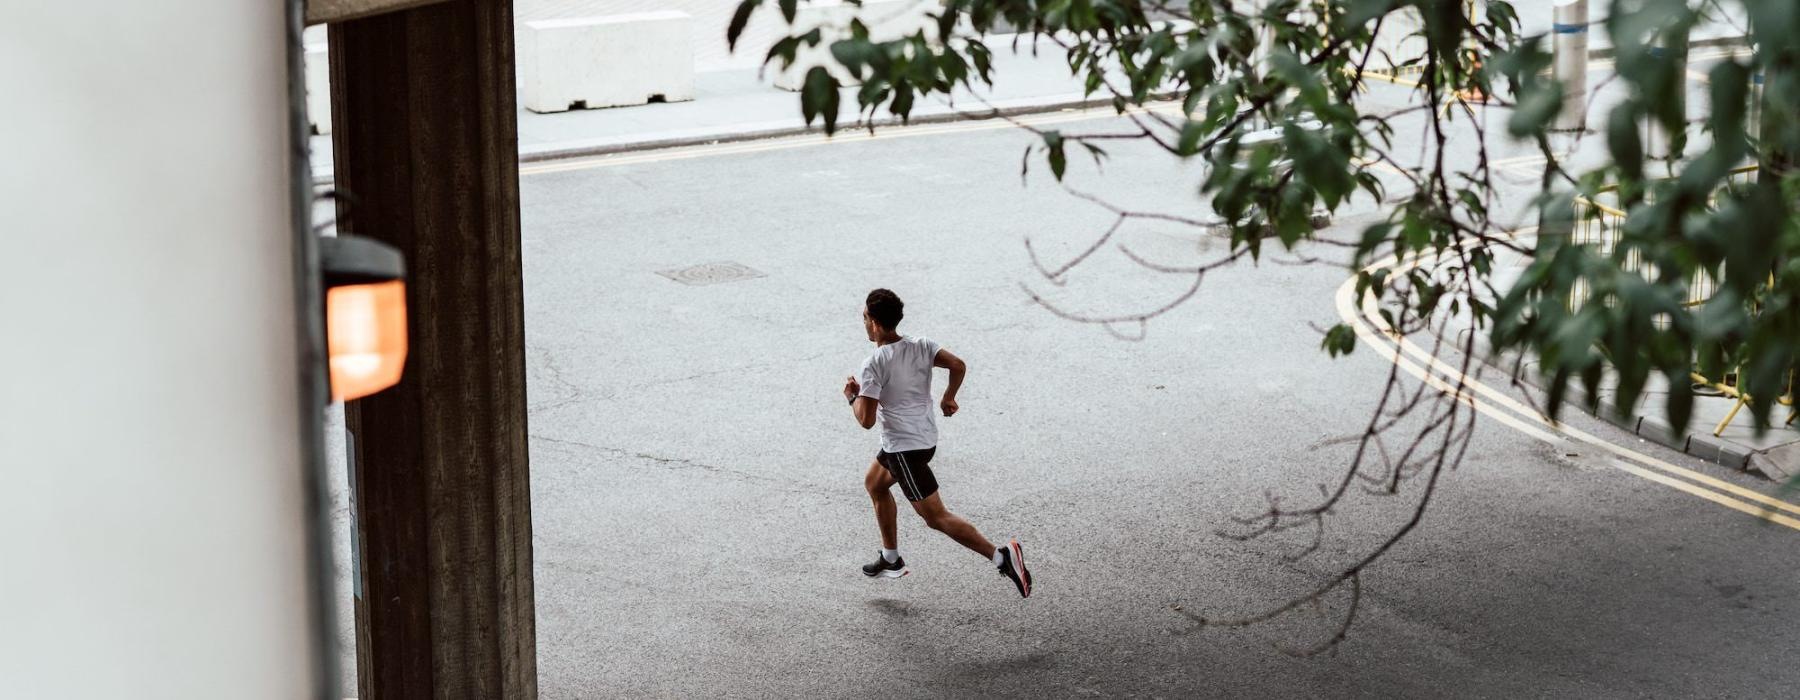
(912, 487)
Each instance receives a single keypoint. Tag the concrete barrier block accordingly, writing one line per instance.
(318, 88)
(606, 61)
(887, 20)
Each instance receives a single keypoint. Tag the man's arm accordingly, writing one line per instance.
(863, 407)
(950, 361)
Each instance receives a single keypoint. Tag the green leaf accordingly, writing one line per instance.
(1364, 11)
(1444, 25)
(983, 60)
(784, 49)
(1623, 140)
(1339, 340)
(853, 54)
(1729, 84)
(903, 101)
(1189, 141)
(1416, 234)
(1053, 145)
(1537, 107)
(819, 98)
(1325, 168)
(1098, 153)
(738, 19)
(873, 92)
(1372, 237)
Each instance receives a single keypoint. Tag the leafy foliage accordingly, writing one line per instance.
(1239, 67)
(1703, 277)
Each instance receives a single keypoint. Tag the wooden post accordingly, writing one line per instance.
(426, 146)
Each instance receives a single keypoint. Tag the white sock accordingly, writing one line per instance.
(890, 555)
(999, 555)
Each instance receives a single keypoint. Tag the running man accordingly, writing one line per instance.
(895, 388)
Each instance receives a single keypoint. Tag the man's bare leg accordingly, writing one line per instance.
(965, 534)
(880, 483)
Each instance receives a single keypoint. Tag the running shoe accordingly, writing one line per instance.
(882, 568)
(1012, 566)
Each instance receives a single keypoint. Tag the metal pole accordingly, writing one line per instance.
(313, 392)
(1753, 121)
(1265, 36)
(1265, 48)
(1571, 45)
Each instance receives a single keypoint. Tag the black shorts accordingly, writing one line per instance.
(912, 470)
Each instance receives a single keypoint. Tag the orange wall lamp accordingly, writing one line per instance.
(365, 314)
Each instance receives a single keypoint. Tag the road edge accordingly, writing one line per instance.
(1702, 445)
(727, 135)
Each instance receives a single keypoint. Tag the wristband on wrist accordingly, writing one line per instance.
(852, 400)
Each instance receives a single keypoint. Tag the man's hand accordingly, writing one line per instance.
(950, 361)
(851, 388)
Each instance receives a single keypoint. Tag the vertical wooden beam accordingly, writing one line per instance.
(426, 150)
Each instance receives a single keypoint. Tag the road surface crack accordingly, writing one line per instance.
(682, 463)
(729, 370)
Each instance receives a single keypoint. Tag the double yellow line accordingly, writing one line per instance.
(1379, 336)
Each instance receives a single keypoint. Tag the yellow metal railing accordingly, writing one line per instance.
(1400, 45)
(1400, 49)
(1599, 222)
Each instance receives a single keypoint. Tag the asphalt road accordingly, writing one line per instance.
(697, 497)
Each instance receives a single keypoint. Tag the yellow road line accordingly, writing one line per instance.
(1387, 352)
(1502, 399)
(1432, 363)
(1376, 333)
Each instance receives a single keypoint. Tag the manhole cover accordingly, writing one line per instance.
(711, 273)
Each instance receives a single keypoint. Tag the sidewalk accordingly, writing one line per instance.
(735, 101)
(736, 104)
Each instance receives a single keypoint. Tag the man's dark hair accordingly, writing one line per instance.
(886, 308)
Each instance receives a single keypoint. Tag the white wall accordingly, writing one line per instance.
(151, 533)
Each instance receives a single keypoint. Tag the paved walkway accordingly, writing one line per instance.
(735, 100)
(710, 20)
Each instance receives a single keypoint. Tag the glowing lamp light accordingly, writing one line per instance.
(365, 328)
(365, 315)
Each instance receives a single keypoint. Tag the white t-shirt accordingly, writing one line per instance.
(898, 376)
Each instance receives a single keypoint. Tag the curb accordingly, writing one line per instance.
(1703, 445)
(1017, 108)
(1708, 43)
(725, 135)
(729, 135)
